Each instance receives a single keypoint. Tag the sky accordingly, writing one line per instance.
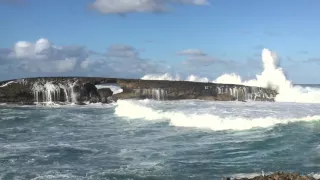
(132, 38)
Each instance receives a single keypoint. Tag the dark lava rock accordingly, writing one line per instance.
(20, 91)
(281, 176)
(104, 94)
(112, 99)
(81, 103)
(16, 93)
(87, 92)
(125, 95)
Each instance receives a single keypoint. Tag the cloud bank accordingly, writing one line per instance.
(140, 6)
(42, 58)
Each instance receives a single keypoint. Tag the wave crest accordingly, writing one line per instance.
(135, 110)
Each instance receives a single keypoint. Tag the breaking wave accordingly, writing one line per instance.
(182, 118)
(272, 76)
(6, 84)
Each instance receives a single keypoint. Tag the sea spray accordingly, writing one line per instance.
(50, 92)
(153, 93)
(6, 84)
(115, 88)
(274, 77)
(168, 77)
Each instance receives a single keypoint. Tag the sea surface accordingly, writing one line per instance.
(147, 139)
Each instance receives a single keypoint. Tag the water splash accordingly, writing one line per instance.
(156, 94)
(167, 76)
(207, 120)
(274, 77)
(50, 92)
(6, 84)
(115, 88)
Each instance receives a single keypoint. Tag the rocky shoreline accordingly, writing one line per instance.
(84, 89)
(278, 176)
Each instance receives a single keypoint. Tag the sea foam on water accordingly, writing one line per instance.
(205, 118)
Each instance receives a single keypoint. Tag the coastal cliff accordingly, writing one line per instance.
(84, 89)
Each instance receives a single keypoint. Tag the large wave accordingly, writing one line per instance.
(183, 118)
(272, 76)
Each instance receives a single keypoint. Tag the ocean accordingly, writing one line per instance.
(148, 139)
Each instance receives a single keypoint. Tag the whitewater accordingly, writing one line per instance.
(156, 139)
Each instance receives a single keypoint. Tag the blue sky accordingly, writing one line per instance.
(229, 34)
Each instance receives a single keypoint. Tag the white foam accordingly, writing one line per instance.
(115, 88)
(248, 175)
(55, 176)
(134, 110)
(315, 175)
(6, 84)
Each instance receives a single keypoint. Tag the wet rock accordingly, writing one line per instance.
(15, 93)
(104, 94)
(21, 91)
(112, 99)
(225, 97)
(87, 92)
(126, 95)
(280, 176)
(80, 103)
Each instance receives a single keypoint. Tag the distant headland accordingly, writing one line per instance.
(82, 90)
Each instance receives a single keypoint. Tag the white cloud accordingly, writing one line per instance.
(121, 50)
(130, 6)
(125, 58)
(65, 65)
(196, 57)
(24, 49)
(43, 58)
(199, 61)
(90, 63)
(191, 52)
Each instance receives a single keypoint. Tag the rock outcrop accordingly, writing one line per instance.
(279, 176)
(104, 94)
(83, 89)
